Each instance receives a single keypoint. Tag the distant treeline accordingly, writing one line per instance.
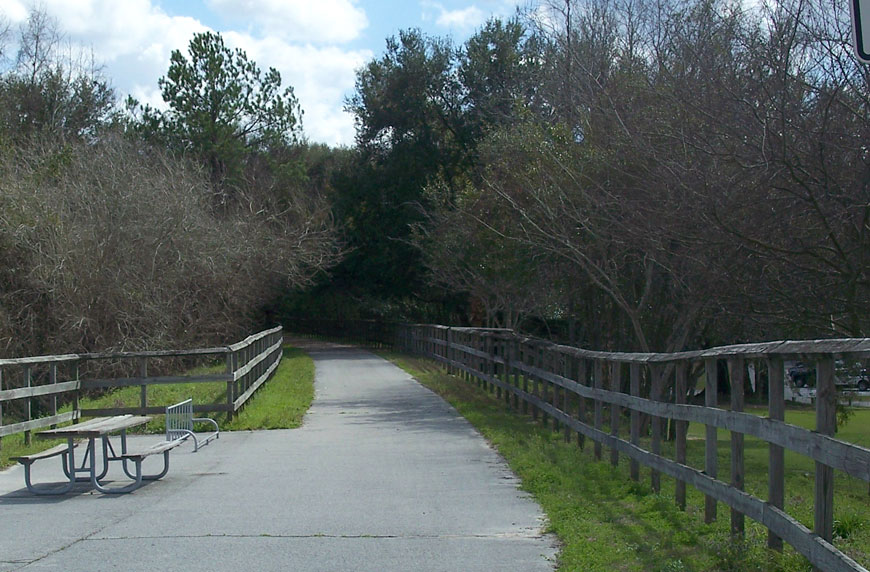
(630, 175)
(624, 174)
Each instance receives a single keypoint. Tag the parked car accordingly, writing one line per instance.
(851, 375)
(800, 374)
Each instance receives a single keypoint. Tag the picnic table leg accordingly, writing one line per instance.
(95, 482)
(124, 461)
(67, 460)
(105, 469)
(162, 473)
(88, 462)
(63, 489)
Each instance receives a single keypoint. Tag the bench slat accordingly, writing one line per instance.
(56, 450)
(153, 449)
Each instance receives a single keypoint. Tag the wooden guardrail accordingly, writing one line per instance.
(572, 387)
(36, 385)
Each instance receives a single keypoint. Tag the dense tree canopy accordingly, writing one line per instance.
(629, 175)
(222, 107)
(695, 170)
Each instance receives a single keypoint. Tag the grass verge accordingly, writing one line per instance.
(606, 521)
(280, 403)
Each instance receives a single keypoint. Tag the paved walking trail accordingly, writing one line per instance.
(383, 476)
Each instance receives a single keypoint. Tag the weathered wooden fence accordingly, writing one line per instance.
(35, 385)
(572, 387)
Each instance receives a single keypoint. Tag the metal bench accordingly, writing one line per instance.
(179, 424)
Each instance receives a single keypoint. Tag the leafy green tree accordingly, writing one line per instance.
(408, 111)
(500, 73)
(222, 107)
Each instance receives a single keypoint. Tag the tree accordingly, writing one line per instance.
(222, 107)
(52, 93)
(407, 107)
(506, 278)
(500, 73)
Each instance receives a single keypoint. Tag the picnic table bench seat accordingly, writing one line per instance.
(28, 460)
(61, 449)
(136, 456)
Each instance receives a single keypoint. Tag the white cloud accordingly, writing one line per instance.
(134, 39)
(321, 77)
(320, 22)
(116, 29)
(13, 10)
(464, 19)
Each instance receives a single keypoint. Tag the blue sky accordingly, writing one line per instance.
(316, 44)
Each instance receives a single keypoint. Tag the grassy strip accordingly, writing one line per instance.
(608, 522)
(280, 404)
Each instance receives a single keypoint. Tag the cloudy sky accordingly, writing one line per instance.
(316, 44)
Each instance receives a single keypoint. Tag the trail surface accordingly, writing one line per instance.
(383, 476)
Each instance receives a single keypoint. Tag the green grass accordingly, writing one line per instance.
(605, 521)
(283, 401)
(280, 404)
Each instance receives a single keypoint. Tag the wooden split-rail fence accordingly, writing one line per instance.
(35, 386)
(572, 387)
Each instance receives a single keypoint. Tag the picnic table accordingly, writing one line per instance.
(102, 429)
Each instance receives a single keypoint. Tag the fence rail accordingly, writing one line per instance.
(572, 387)
(249, 364)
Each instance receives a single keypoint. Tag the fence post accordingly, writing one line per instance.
(28, 379)
(634, 389)
(479, 346)
(448, 350)
(522, 356)
(77, 393)
(598, 414)
(536, 382)
(231, 360)
(567, 372)
(615, 380)
(582, 379)
(510, 371)
(711, 460)
(494, 344)
(506, 372)
(826, 424)
(143, 389)
(52, 378)
(776, 472)
(552, 366)
(656, 374)
(736, 372)
(680, 391)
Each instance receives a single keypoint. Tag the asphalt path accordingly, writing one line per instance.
(383, 475)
